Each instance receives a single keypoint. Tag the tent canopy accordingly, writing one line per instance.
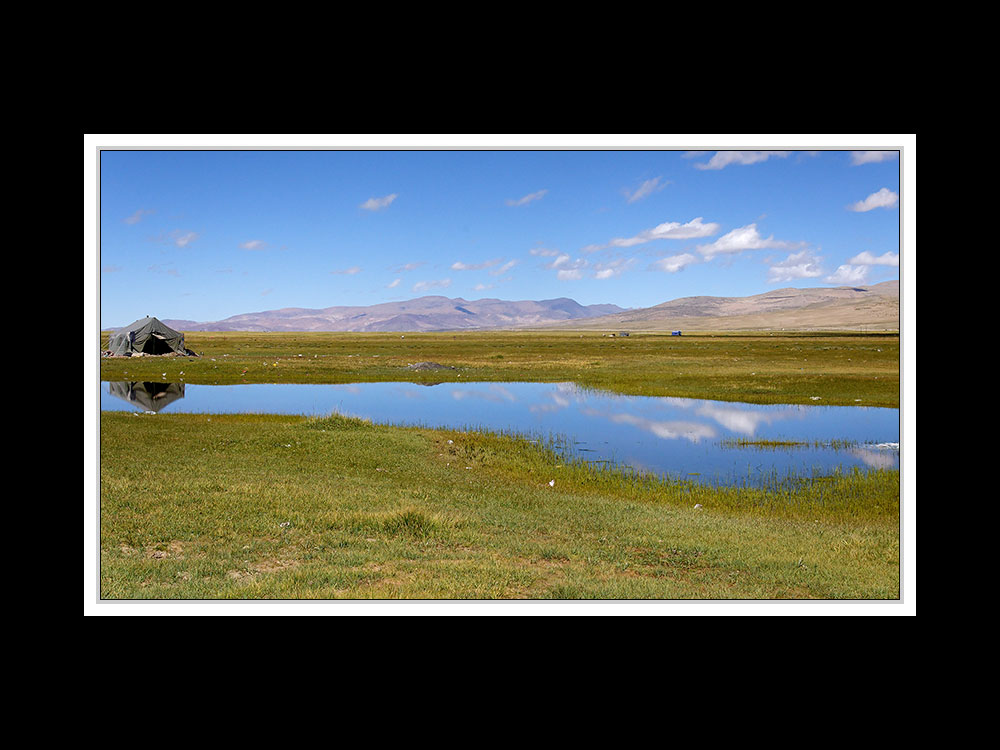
(147, 336)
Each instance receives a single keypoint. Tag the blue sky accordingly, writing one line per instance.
(202, 235)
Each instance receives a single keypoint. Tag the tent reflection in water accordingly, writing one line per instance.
(151, 397)
(147, 336)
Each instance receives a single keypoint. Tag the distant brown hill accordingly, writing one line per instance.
(430, 313)
(873, 308)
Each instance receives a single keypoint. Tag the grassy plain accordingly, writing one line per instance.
(831, 368)
(283, 507)
(279, 507)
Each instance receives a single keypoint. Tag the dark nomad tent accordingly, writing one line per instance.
(147, 336)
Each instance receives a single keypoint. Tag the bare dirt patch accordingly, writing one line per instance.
(173, 549)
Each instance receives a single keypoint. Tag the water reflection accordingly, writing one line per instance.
(708, 441)
(745, 422)
(665, 430)
(150, 397)
(495, 393)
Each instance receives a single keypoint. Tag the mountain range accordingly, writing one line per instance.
(431, 313)
(874, 307)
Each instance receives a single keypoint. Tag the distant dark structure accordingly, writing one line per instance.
(147, 336)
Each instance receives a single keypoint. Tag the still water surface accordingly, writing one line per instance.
(683, 438)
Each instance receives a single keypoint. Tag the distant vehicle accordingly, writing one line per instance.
(675, 333)
(623, 333)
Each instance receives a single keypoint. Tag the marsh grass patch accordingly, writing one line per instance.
(409, 523)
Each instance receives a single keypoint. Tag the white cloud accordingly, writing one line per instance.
(543, 252)
(460, 266)
(675, 263)
(253, 245)
(801, 265)
(566, 268)
(723, 159)
(867, 259)
(669, 230)
(137, 216)
(482, 287)
(744, 238)
(884, 198)
(504, 268)
(646, 189)
(408, 266)
(526, 199)
(185, 239)
(422, 286)
(848, 274)
(393, 284)
(612, 268)
(377, 204)
(347, 271)
(872, 157)
(673, 230)
(177, 237)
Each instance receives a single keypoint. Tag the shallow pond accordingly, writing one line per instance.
(714, 442)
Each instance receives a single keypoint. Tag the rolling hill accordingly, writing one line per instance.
(431, 313)
(874, 308)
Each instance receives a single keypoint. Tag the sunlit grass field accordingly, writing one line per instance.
(283, 507)
(251, 506)
(833, 368)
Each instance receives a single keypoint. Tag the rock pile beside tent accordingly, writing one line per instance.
(429, 366)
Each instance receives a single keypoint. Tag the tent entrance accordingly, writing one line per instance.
(156, 344)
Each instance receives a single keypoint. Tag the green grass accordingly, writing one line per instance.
(778, 444)
(281, 507)
(832, 368)
(259, 506)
